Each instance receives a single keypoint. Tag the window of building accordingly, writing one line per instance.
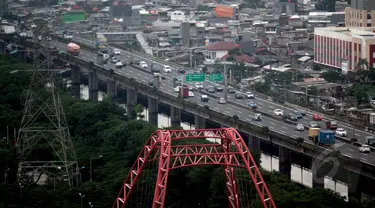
(373, 55)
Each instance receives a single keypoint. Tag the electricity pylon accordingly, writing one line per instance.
(46, 153)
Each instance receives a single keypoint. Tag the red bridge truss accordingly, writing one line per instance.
(230, 152)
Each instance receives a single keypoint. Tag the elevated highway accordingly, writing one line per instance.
(235, 113)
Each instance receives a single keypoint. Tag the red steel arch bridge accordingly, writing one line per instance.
(173, 149)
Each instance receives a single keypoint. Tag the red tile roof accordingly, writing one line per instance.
(243, 58)
(222, 46)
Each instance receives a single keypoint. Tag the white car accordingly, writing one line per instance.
(278, 112)
(116, 51)
(341, 132)
(222, 101)
(364, 148)
(300, 127)
(249, 95)
(119, 64)
(115, 60)
(167, 69)
(143, 64)
(177, 89)
(198, 85)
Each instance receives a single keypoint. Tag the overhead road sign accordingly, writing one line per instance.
(216, 78)
(195, 77)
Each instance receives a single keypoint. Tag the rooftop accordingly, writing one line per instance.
(350, 31)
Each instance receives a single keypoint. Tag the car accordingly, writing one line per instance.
(117, 51)
(204, 98)
(257, 117)
(119, 64)
(314, 124)
(198, 85)
(137, 62)
(292, 117)
(115, 60)
(317, 117)
(303, 113)
(177, 89)
(252, 104)
(341, 132)
(231, 90)
(167, 69)
(154, 69)
(331, 125)
(238, 96)
(104, 50)
(278, 112)
(222, 101)
(249, 95)
(364, 148)
(143, 64)
(219, 88)
(298, 114)
(210, 89)
(181, 71)
(300, 127)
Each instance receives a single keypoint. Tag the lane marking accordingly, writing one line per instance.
(229, 108)
(284, 127)
(272, 123)
(347, 155)
(226, 112)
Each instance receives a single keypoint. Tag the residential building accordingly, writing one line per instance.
(361, 13)
(218, 50)
(178, 16)
(344, 47)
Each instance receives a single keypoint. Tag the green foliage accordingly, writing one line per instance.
(203, 8)
(326, 5)
(254, 4)
(333, 76)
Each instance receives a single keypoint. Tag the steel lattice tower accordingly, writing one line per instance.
(44, 125)
(230, 153)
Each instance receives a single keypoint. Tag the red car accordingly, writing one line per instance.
(317, 117)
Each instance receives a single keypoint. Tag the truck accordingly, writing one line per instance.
(184, 92)
(326, 138)
(313, 133)
(101, 41)
(9, 29)
(73, 49)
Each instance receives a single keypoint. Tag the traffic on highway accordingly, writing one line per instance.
(265, 108)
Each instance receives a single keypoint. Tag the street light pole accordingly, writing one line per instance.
(20, 184)
(82, 196)
(6, 175)
(91, 159)
(225, 83)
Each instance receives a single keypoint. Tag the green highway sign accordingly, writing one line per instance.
(216, 78)
(195, 77)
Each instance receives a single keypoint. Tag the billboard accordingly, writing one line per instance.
(224, 11)
(73, 16)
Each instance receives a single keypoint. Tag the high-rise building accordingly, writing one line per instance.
(361, 13)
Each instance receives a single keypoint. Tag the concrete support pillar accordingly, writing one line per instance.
(157, 80)
(200, 123)
(285, 164)
(254, 143)
(76, 81)
(131, 101)
(111, 88)
(153, 111)
(317, 176)
(93, 83)
(354, 192)
(2, 47)
(175, 116)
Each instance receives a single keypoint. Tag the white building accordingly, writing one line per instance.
(218, 50)
(178, 16)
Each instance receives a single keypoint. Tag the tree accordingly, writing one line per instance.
(326, 5)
